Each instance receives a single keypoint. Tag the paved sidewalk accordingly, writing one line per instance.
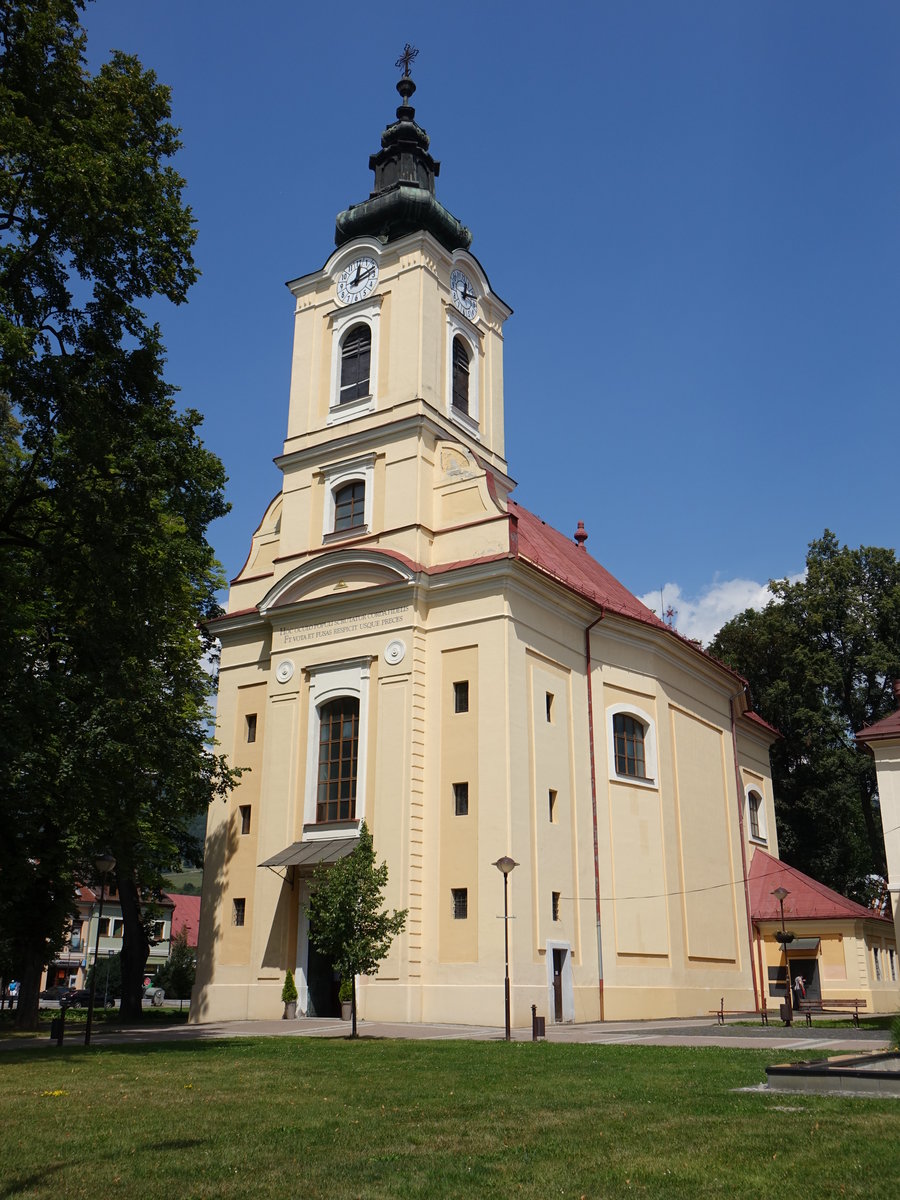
(696, 1031)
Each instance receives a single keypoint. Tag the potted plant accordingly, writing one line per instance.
(289, 996)
(345, 995)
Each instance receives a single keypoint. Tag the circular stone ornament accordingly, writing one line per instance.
(395, 652)
(284, 670)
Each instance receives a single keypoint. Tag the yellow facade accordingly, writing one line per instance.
(629, 897)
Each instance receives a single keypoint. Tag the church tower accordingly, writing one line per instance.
(406, 645)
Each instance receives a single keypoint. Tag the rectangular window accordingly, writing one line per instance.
(552, 797)
(892, 962)
(460, 903)
(338, 760)
(629, 742)
(461, 696)
(461, 799)
(877, 954)
(245, 818)
(251, 727)
(118, 927)
(555, 905)
(549, 707)
(238, 910)
(103, 926)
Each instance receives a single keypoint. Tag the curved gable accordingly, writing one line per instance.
(335, 574)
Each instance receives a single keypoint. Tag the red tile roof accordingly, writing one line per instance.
(887, 727)
(808, 900)
(559, 557)
(186, 914)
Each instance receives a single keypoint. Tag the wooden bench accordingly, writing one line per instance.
(722, 1012)
(810, 1008)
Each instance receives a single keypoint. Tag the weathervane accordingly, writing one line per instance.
(409, 53)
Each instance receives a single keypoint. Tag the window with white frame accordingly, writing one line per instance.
(348, 498)
(354, 360)
(876, 953)
(463, 359)
(335, 752)
(756, 815)
(631, 743)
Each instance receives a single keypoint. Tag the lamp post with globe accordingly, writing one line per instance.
(104, 864)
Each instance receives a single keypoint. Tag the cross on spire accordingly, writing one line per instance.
(406, 58)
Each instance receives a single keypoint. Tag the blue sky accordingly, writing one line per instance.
(691, 207)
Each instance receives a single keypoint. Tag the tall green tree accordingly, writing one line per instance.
(106, 494)
(820, 658)
(346, 914)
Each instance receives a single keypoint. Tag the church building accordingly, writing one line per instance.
(408, 646)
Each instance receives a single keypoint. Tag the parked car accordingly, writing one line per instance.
(54, 993)
(81, 998)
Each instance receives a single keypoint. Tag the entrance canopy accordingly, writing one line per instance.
(310, 854)
(807, 944)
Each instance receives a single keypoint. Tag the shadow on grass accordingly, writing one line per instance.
(18, 1184)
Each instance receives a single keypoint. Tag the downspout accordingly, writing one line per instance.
(740, 803)
(590, 703)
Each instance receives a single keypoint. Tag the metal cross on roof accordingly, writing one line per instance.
(409, 53)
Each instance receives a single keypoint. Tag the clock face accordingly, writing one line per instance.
(463, 294)
(358, 280)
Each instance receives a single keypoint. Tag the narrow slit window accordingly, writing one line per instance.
(356, 360)
(251, 727)
(461, 799)
(552, 799)
(460, 897)
(245, 818)
(555, 905)
(461, 696)
(754, 804)
(549, 702)
(460, 398)
(238, 910)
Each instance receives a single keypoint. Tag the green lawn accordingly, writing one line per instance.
(316, 1119)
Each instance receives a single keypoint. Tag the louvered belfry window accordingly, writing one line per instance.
(338, 754)
(356, 357)
(629, 741)
(460, 376)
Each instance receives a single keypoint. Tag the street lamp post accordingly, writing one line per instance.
(104, 863)
(505, 865)
(784, 937)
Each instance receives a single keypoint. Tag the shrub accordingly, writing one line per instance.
(289, 991)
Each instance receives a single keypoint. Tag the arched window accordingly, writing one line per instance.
(628, 736)
(356, 359)
(460, 396)
(338, 757)
(350, 506)
(756, 816)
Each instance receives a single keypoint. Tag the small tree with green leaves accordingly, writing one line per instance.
(289, 991)
(347, 921)
(176, 975)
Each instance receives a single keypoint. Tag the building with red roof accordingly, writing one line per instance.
(407, 645)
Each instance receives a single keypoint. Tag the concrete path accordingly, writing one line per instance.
(695, 1031)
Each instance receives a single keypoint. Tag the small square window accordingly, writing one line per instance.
(461, 799)
(251, 727)
(245, 818)
(549, 701)
(461, 696)
(555, 905)
(238, 910)
(460, 903)
(552, 798)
